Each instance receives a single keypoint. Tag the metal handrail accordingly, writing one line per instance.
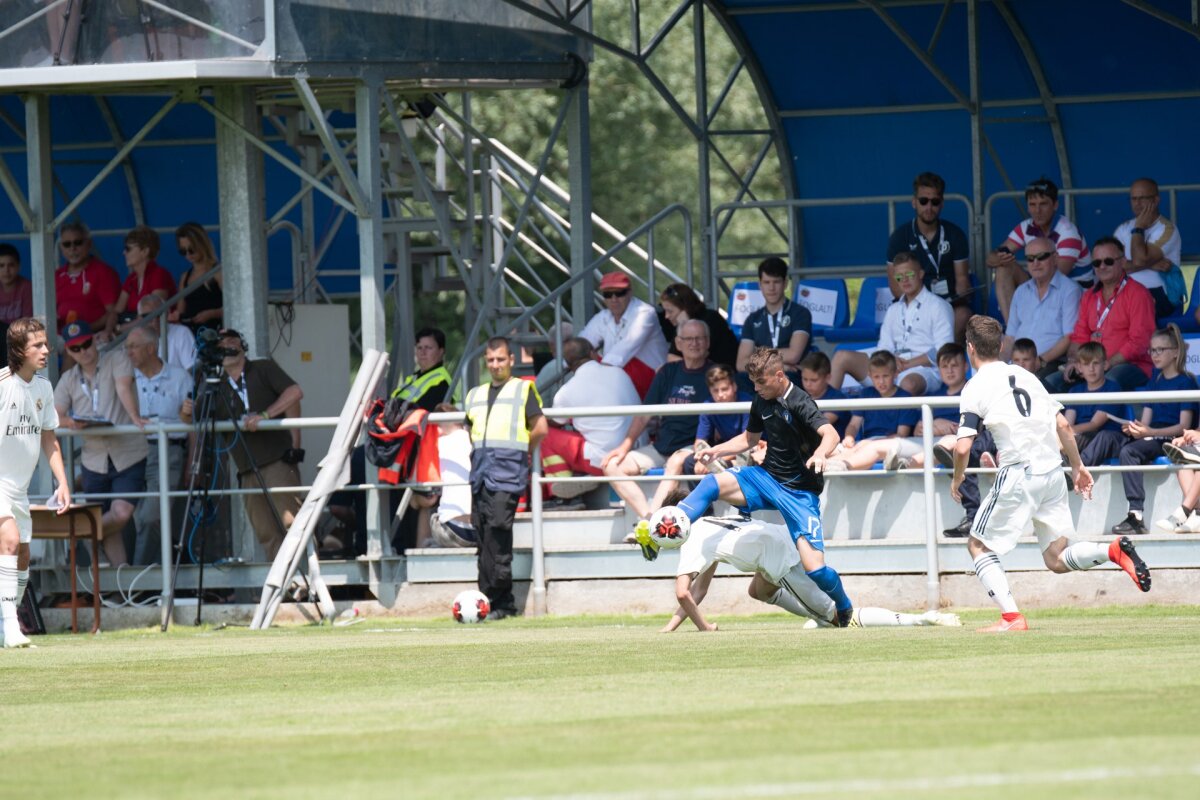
(928, 470)
(800, 203)
(553, 298)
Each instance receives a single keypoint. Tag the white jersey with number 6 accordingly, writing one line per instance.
(1016, 409)
(26, 409)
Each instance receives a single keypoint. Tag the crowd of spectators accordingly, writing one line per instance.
(1082, 319)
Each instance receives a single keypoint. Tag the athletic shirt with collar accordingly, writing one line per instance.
(936, 257)
(753, 546)
(1016, 409)
(1068, 242)
(776, 330)
(26, 409)
(790, 423)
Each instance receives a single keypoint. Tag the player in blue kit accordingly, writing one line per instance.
(799, 440)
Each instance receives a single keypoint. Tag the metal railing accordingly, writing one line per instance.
(929, 470)
(793, 243)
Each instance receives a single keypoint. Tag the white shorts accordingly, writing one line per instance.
(818, 604)
(1018, 497)
(18, 509)
(933, 378)
(647, 458)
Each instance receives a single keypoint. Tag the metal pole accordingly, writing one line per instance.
(537, 588)
(579, 171)
(709, 279)
(933, 589)
(42, 257)
(979, 244)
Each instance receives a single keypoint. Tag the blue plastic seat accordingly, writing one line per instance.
(749, 299)
(864, 327)
(841, 311)
(1187, 320)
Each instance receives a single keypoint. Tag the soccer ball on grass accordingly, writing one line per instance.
(471, 605)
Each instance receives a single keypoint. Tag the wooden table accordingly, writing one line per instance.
(81, 521)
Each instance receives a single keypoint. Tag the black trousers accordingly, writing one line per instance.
(969, 489)
(492, 515)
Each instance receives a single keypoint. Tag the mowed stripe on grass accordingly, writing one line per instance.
(1107, 701)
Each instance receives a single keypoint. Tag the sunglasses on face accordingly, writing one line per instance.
(612, 294)
(937, 201)
(903, 276)
(1103, 262)
(79, 348)
(186, 251)
(1040, 256)
(73, 243)
(1158, 351)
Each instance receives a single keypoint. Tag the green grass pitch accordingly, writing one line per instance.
(1089, 704)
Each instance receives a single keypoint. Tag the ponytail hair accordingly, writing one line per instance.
(1173, 333)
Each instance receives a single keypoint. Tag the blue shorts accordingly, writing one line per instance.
(801, 510)
(114, 481)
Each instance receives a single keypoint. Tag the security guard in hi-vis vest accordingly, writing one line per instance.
(506, 423)
(429, 385)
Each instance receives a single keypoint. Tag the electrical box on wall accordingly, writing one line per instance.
(312, 344)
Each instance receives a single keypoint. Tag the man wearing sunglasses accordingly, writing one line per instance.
(1117, 312)
(99, 390)
(627, 332)
(85, 288)
(1043, 309)
(1152, 249)
(1041, 198)
(939, 246)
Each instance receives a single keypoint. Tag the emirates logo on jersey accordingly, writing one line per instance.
(24, 427)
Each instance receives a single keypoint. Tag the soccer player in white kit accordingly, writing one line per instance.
(767, 551)
(1028, 429)
(28, 418)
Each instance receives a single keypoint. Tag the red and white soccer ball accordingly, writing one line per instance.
(471, 605)
(669, 527)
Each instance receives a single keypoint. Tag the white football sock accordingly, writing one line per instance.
(1085, 555)
(991, 575)
(8, 593)
(870, 617)
(22, 582)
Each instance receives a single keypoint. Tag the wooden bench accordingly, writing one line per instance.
(81, 521)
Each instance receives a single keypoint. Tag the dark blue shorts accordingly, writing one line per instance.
(801, 510)
(130, 479)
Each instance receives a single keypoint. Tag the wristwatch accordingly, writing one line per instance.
(1137, 231)
(265, 414)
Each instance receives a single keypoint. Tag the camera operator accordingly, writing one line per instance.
(255, 391)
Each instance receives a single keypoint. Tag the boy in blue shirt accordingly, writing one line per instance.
(870, 426)
(814, 379)
(1097, 426)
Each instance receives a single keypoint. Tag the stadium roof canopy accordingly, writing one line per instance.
(991, 94)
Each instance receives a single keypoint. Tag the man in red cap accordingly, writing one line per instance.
(627, 332)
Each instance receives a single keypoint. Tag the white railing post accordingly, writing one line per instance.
(537, 585)
(933, 586)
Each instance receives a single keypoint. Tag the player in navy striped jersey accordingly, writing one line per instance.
(28, 420)
(1028, 428)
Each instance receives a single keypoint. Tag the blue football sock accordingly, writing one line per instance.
(696, 503)
(829, 582)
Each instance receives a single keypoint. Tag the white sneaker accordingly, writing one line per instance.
(1175, 523)
(892, 460)
(1192, 525)
(942, 618)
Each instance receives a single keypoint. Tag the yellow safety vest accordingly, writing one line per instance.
(414, 387)
(504, 426)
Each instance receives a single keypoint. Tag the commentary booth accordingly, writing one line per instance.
(331, 151)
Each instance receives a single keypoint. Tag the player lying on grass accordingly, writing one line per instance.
(766, 550)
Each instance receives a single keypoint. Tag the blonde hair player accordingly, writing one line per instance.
(1029, 428)
(28, 418)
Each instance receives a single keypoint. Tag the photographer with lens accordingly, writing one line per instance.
(255, 391)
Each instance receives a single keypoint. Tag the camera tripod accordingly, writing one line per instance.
(208, 451)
